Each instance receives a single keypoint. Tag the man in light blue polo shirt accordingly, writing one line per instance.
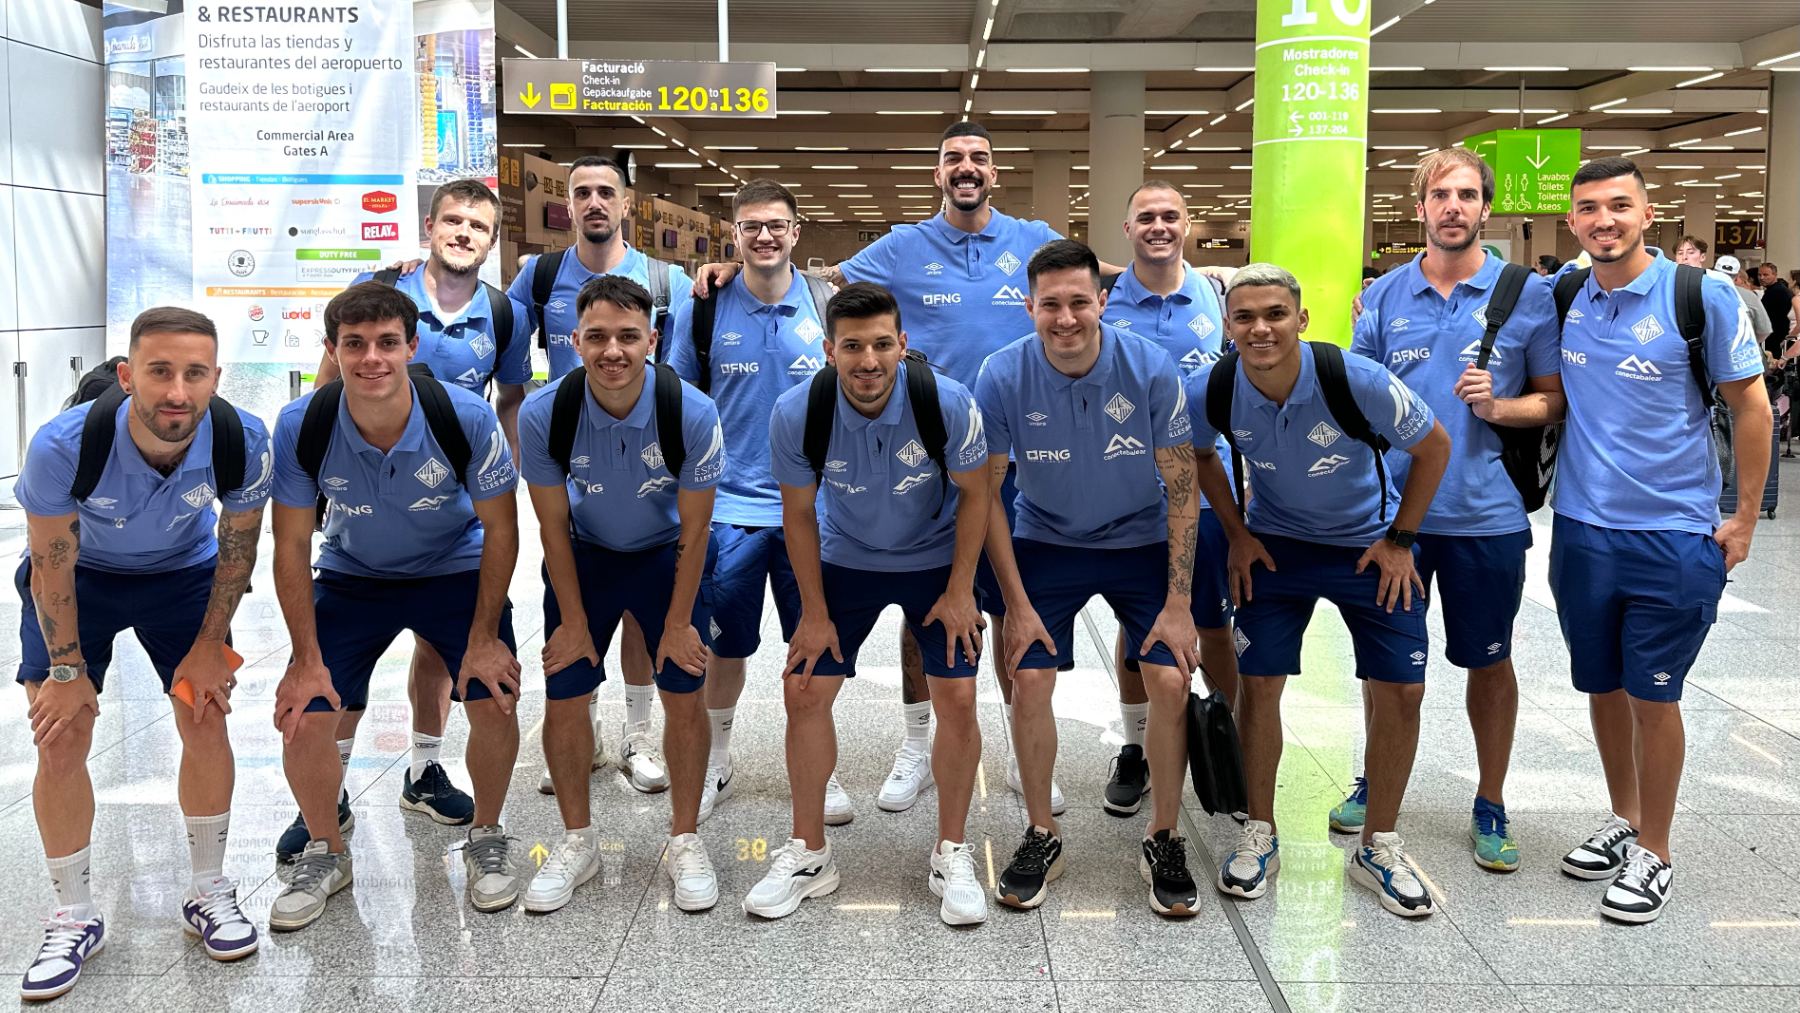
(625, 512)
(903, 524)
(767, 336)
(413, 541)
(137, 551)
(1638, 554)
(1161, 298)
(1097, 420)
(1426, 321)
(458, 339)
(1323, 524)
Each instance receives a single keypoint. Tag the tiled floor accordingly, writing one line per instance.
(404, 938)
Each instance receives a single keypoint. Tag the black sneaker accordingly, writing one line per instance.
(1642, 888)
(1164, 867)
(1130, 781)
(1602, 855)
(434, 795)
(1038, 860)
(295, 838)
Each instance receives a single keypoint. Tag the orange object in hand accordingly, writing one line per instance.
(184, 690)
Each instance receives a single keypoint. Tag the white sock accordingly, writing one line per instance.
(425, 749)
(637, 703)
(721, 735)
(69, 881)
(918, 726)
(344, 748)
(1137, 718)
(1006, 716)
(206, 848)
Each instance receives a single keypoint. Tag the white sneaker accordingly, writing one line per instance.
(569, 864)
(717, 788)
(639, 761)
(548, 788)
(911, 775)
(691, 870)
(839, 810)
(953, 878)
(317, 874)
(488, 864)
(794, 875)
(1058, 804)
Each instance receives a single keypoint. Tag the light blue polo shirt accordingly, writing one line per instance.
(880, 488)
(1428, 341)
(1086, 445)
(461, 347)
(402, 513)
(1307, 479)
(138, 520)
(559, 311)
(961, 294)
(1637, 451)
(621, 494)
(759, 350)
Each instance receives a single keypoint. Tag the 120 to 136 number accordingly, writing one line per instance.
(725, 100)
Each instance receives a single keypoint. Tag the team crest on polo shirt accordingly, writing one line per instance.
(432, 473)
(1202, 326)
(1647, 330)
(810, 330)
(1119, 408)
(1323, 435)
(1480, 314)
(912, 454)
(1008, 263)
(652, 456)
(199, 495)
(482, 346)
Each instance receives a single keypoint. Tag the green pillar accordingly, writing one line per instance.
(1308, 169)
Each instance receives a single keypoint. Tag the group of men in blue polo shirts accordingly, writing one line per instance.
(1169, 444)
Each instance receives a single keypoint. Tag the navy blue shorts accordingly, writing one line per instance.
(1480, 584)
(165, 611)
(1635, 606)
(612, 584)
(987, 585)
(856, 598)
(1212, 578)
(1059, 580)
(1390, 647)
(745, 558)
(359, 617)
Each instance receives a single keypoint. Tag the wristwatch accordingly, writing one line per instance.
(66, 673)
(1403, 539)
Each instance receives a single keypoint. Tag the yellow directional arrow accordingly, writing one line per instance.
(530, 96)
(538, 851)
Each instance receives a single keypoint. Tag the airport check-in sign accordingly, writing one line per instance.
(639, 88)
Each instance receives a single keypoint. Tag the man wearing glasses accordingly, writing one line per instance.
(766, 335)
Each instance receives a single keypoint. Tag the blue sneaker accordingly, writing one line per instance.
(295, 838)
(1383, 866)
(68, 944)
(1246, 870)
(434, 795)
(1494, 846)
(1348, 816)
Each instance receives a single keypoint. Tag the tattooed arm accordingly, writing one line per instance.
(205, 668)
(55, 545)
(1175, 626)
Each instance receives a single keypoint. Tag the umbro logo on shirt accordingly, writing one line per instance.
(199, 495)
(730, 338)
(1634, 368)
(1323, 435)
(1035, 418)
(836, 465)
(1398, 324)
(558, 305)
(1119, 408)
(334, 483)
(1008, 263)
(1418, 657)
(1242, 434)
(912, 454)
(934, 269)
(102, 502)
(1647, 330)
(580, 462)
(432, 473)
(1661, 678)
(1575, 313)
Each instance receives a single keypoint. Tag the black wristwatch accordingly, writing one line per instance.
(1404, 539)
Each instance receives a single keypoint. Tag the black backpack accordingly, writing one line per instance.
(101, 386)
(1527, 453)
(543, 282)
(501, 320)
(320, 421)
(1690, 321)
(921, 400)
(706, 310)
(1215, 758)
(1334, 385)
(565, 417)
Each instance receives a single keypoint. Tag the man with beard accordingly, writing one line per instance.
(137, 551)
(1783, 307)
(1425, 322)
(900, 527)
(1638, 554)
(600, 207)
(458, 339)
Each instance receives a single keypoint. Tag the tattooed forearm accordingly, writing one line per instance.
(1181, 564)
(62, 651)
(1177, 467)
(231, 574)
(680, 547)
(60, 551)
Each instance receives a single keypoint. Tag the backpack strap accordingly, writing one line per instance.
(565, 416)
(388, 276)
(1107, 282)
(500, 319)
(700, 335)
(1499, 308)
(543, 282)
(1567, 288)
(656, 272)
(1221, 388)
(821, 293)
(669, 434)
(821, 412)
(928, 418)
(97, 433)
(1690, 320)
(227, 446)
(440, 416)
(1334, 385)
(316, 427)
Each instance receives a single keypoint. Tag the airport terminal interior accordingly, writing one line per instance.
(1705, 97)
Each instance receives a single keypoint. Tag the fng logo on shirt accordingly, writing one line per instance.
(1634, 368)
(1264, 465)
(1409, 355)
(942, 298)
(1647, 330)
(199, 495)
(1326, 465)
(1574, 358)
(739, 368)
(1051, 456)
(431, 473)
(1008, 263)
(911, 454)
(1119, 408)
(1122, 446)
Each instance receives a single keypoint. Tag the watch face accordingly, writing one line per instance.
(63, 673)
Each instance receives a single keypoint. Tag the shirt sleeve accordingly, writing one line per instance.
(1169, 403)
(293, 487)
(990, 396)
(516, 367)
(1045, 234)
(681, 288)
(1391, 407)
(1732, 351)
(787, 454)
(1203, 435)
(874, 262)
(536, 465)
(966, 449)
(491, 472)
(1543, 340)
(681, 351)
(43, 484)
(705, 443)
(1365, 334)
(259, 468)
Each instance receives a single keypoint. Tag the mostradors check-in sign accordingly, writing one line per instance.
(639, 87)
(1532, 168)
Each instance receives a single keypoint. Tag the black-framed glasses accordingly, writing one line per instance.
(777, 227)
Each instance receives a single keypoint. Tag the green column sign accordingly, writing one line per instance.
(1532, 168)
(1311, 131)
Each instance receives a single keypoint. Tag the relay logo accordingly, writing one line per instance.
(381, 231)
(379, 202)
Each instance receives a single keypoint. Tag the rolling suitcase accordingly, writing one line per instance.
(1771, 494)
